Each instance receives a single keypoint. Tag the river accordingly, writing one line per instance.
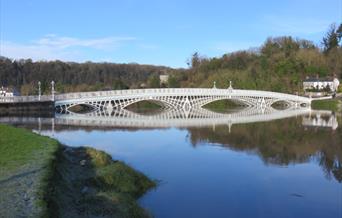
(208, 164)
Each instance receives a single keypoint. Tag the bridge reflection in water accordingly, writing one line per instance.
(199, 117)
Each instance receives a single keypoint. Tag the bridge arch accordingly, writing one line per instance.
(162, 104)
(69, 107)
(236, 102)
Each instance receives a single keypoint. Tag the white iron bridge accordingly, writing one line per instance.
(177, 98)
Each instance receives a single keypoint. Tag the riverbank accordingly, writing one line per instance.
(329, 104)
(41, 178)
(26, 161)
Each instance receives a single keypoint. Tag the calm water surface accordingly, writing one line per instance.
(282, 168)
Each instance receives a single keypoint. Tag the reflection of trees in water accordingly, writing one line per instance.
(280, 142)
(331, 165)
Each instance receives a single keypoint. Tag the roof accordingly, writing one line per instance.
(319, 80)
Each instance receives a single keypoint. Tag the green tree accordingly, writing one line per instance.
(332, 38)
(153, 81)
(196, 60)
(173, 82)
(118, 84)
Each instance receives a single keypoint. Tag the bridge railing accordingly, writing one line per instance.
(151, 92)
(179, 91)
(18, 99)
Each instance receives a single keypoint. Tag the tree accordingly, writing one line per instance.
(173, 82)
(153, 81)
(332, 38)
(118, 84)
(195, 60)
(339, 34)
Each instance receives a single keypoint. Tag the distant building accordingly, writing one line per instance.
(164, 79)
(6, 92)
(321, 84)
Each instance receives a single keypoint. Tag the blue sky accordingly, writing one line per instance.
(154, 32)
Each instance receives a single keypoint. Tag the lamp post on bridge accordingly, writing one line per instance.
(39, 90)
(230, 89)
(53, 90)
(214, 87)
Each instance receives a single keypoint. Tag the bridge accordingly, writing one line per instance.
(168, 98)
(176, 98)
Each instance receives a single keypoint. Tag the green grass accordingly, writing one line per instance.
(123, 179)
(145, 107)
(98, 158)
(20, 147)
(329, 104)
(27, 159)
(222, 105)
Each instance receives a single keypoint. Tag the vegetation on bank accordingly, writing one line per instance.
(41, 178)
(145, 107)
(87, 182)
(222, 105)
(329, 104)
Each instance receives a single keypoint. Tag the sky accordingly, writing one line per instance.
(154, 32)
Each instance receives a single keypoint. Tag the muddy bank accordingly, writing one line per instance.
(88, 183)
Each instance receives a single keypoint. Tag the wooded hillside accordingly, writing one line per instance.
(280, 64)
(70, 77)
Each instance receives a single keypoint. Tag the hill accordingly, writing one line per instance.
(280, 64)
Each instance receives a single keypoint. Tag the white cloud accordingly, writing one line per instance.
(52, 47)
(97, 43)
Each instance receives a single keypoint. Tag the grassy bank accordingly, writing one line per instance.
(329, 104)
(41, 178)
(26, 161)
(222, 105)
(88, 183)
(145, 107)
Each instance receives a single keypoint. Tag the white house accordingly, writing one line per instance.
(320, 84)
(164, 78)
(5, 92)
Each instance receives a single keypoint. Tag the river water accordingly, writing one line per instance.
(240, 164)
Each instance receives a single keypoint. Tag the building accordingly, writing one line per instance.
(164, 79)
(321, 84)
(6, 92)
